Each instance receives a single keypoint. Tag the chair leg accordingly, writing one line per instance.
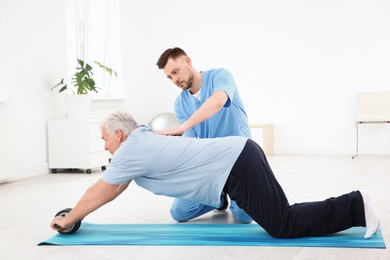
(357, 140)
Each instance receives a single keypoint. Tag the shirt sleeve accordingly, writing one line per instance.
(181, 118)
(124, 165)
(223, 80)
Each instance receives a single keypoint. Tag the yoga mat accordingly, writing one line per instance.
(205, 235)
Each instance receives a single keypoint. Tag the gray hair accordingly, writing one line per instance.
(119, 120)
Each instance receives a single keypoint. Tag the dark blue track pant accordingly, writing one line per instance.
(253, 186)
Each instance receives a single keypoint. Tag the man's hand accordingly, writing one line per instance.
(60, 223)
(178, 130)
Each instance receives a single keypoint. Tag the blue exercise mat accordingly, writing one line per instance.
(204, 235)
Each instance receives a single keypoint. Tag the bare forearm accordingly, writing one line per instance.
(212, 106)
(86, 205)
(96, 196)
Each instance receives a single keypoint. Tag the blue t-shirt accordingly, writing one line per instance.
(179, 167)
(231, 120)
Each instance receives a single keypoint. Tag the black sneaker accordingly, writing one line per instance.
(225, 202)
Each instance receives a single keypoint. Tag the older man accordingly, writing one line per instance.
(200, 169)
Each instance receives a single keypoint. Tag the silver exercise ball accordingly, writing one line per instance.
(163, 121)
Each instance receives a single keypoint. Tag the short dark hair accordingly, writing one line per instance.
(171, 53)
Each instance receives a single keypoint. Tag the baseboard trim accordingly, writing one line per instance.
(31, 171)
(331, 150)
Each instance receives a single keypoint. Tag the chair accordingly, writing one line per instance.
(372, 107)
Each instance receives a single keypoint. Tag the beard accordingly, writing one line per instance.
(187, 83)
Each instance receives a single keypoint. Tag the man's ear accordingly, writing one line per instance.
(118, 134)
(122, 137)
(188, 60)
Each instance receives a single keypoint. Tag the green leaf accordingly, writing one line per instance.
(82, 80)
(107, 69)
(64, 88)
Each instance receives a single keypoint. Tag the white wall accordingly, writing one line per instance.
(33, 55)
(298, 64)
(32, 60)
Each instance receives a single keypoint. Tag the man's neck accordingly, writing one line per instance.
(197, 83)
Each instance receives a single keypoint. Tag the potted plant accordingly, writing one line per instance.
(82, 84)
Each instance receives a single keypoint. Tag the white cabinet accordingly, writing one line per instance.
(263, 135)
(7, 148)
(76, 144)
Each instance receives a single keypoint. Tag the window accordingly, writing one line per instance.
(93, 34)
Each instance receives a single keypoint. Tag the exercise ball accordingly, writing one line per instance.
(163, 121)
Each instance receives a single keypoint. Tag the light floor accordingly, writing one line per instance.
(27, 207)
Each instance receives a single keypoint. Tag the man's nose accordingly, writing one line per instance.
(175, 80)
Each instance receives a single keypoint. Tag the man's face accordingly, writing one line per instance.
(179, 71)
(111, 143)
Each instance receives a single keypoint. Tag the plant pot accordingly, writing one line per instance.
(78, 106)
